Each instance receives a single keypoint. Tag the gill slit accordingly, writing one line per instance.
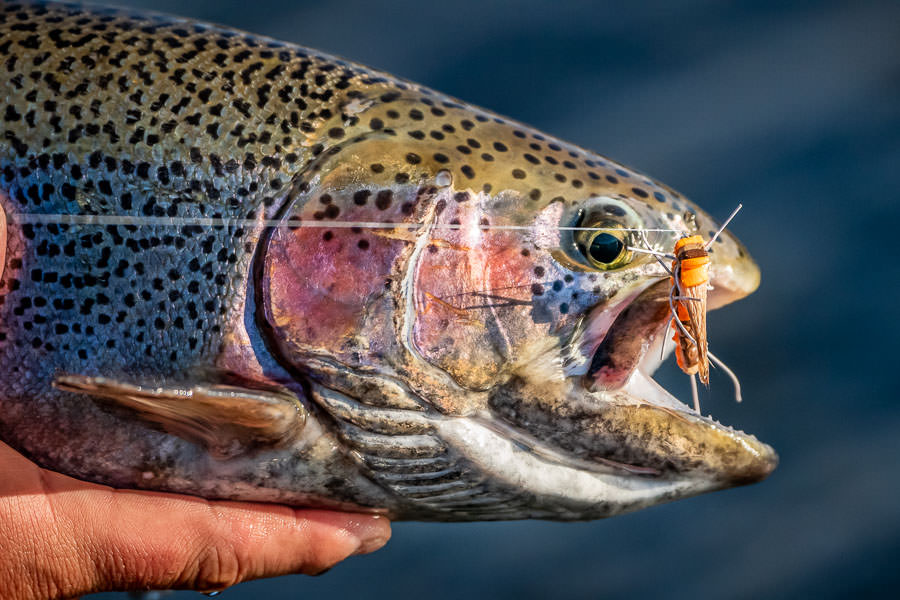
(408, 293)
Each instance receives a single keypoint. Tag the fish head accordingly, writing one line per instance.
(495, 280)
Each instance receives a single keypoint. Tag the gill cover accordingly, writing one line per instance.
(390, 254)
(326, 284)
(447, 290)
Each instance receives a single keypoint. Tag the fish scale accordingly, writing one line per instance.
(146, 294)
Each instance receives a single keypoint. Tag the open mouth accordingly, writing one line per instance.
(655, 432)
(626, 347)
(609, 426)
(632, 349)
(634, 346)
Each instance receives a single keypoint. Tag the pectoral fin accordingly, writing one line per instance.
(227, 420)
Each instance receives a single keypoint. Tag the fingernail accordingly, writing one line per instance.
(372, 531)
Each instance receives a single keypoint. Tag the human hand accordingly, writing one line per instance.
(60, 537)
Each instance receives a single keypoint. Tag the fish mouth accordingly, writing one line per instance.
(682, 442)
(636, 326)
(612, 419)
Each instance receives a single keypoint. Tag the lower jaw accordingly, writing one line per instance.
(601, 488)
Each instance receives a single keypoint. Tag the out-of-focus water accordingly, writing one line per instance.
(793, 109)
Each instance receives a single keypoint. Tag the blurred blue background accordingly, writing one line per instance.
(793, 109)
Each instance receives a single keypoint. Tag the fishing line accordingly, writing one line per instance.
(133, 220)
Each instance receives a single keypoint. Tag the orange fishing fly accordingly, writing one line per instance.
(690, 278)
(687, 300)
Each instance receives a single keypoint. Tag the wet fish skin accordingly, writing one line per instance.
(402, 348)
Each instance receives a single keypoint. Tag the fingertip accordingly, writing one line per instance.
(367, 532)
(374, 531)
(284, 540)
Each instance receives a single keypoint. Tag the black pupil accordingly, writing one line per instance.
(605, 248)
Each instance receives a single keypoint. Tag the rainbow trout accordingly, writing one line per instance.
(240, 268)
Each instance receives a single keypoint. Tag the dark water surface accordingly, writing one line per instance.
(793, 109)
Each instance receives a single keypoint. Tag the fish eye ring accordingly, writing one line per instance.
(597, 235)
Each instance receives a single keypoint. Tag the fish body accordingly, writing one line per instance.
(240, 268)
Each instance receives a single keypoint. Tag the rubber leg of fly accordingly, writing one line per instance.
(678, 322)
(730, 373)
(665, 331)
(724, 225)
(695, 394)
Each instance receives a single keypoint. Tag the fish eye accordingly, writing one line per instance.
(604, 248)
(598, 235)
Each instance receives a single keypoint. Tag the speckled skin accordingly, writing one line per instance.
(387, 336)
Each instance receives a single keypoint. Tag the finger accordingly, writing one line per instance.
(165, 541)
(220, 544)
(92, 538)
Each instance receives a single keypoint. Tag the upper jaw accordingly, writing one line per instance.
(732, 280)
